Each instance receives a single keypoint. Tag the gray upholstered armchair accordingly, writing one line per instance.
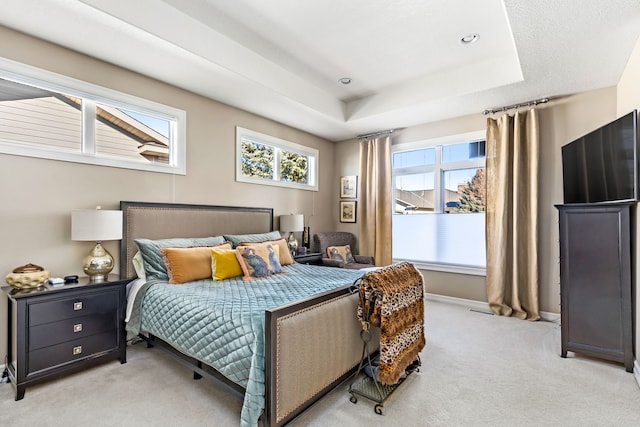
(321, 241)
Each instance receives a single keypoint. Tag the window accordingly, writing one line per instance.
(439, 203)
(264, 159)
(46, 115)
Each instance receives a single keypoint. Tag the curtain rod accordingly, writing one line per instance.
(369, 135)
(522, 104)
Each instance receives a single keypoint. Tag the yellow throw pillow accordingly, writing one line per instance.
(283, 249)
(224, 263)
(341, 253)
(187, 264)
(258, 260)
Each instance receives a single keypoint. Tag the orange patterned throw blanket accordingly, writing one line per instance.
(392, 298)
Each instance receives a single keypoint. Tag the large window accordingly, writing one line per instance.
(439, 203)
(46, 115)
(264, 159)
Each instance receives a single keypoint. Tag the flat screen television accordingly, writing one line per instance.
(602, 166)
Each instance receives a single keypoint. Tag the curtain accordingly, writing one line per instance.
(511, 215)
(376, 199)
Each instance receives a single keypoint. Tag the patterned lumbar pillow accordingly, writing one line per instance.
(258, 260)
(283, 249)
(341, 253)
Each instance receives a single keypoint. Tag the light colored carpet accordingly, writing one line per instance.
(478, 370)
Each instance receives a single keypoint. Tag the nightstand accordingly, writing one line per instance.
(54, 331)
(314, 258)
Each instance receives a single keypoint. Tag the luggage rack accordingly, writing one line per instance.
(369, 387)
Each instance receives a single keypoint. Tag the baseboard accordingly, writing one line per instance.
(636, 371)
(483, 306)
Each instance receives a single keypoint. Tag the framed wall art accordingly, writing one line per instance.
(348, 211)
(348, 187)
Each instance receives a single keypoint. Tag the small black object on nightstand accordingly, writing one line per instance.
(311, 258)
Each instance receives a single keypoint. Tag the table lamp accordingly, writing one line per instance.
(292, 224)
(96, 225)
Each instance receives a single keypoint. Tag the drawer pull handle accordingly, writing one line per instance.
(77, 328)
(77, 350)
(77, 306)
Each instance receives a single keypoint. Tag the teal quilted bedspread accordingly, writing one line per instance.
(222, 323)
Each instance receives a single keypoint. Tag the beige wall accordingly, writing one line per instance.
(560, 122)
(628, 100)
(38, 195)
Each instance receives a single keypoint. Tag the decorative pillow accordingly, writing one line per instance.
(154, 266)
(224, 263)
(258, 261)
(284, 256)
(187, 264)
(252, 238)
(341, 253)
(138, 265)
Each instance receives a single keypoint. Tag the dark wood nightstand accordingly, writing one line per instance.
(54, 331)
(314, 258)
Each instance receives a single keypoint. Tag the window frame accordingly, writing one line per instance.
(278, 144)
(439, 168)
(91, 95)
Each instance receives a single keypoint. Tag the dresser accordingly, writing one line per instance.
(596, 280)
(54, 331)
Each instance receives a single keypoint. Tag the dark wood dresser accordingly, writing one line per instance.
(596, 280)
(54, 331)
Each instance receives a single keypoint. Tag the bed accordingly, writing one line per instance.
(298, 329)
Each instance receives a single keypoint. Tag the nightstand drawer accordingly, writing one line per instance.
(68, 308)
(48, 334)
(57, 355)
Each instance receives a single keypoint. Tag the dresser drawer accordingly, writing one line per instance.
(71, 307)
(48, 334)
(56, 355)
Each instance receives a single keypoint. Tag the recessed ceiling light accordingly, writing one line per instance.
(470, 38)
(344, 80)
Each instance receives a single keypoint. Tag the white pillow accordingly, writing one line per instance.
(138, 265)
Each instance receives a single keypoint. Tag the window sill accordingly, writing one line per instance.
(448, 268)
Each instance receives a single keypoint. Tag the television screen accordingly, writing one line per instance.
(602, 166)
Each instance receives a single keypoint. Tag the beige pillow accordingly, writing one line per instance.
(187, 264)
(283, 249)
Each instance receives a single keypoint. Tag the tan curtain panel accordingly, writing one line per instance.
(376, 199)
(512, 215)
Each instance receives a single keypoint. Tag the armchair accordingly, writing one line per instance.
(322, 241)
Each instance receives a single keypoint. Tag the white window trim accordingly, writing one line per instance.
(436, 142)
(258, 137)
(448, 268)
(23, 73)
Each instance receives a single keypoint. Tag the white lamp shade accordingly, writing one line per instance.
(96, 225)
(292, 223)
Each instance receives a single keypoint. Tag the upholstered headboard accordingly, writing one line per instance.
(169, 220)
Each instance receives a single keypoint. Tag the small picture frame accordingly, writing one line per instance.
(348, 211)
(349, 187)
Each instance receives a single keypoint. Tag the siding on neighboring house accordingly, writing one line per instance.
(52, 123)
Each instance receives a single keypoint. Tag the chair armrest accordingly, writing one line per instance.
(364, 259)
(328, 262)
